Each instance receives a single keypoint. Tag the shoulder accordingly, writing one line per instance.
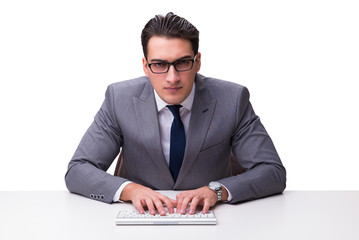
(219, 88)
(132, 87)
(131, 83)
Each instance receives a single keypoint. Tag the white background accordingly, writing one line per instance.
(299, 59)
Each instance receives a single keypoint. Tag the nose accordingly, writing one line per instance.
(172, 75)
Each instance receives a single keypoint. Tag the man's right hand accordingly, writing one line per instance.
(142, 197)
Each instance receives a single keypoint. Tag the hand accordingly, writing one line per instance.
(145, 197)
(202, 196)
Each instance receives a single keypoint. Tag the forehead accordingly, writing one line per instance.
(168, 48)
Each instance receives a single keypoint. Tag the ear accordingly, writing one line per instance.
(198, 62)
(145, 67)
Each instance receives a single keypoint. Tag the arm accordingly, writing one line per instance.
(86, 174)
(254, 151)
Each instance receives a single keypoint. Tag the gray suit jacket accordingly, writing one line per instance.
(222, 121)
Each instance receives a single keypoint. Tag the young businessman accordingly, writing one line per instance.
(177, 130)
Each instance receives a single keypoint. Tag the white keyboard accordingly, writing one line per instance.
(133, 217)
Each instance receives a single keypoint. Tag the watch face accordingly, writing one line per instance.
(215, 186)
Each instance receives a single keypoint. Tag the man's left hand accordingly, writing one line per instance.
(198, 197)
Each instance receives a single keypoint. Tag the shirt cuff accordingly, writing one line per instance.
(116, 197)
(230, 197)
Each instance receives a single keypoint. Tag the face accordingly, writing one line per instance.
(172, 87)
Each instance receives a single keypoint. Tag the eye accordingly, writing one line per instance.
(183, 62)
(183, 65)
(159, 64)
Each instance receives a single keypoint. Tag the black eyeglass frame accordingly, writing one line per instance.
(173, 64)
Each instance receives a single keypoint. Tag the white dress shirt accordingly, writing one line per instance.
(165, 119)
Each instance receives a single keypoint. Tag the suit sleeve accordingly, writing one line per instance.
(86, 174)
(254, 151)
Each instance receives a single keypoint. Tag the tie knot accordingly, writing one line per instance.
(175, 111)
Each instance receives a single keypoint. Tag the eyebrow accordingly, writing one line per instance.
(181, 58)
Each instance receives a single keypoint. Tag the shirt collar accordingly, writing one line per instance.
(187, 103)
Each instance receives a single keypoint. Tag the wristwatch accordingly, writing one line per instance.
(217, 188)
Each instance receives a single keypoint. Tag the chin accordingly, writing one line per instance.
(173, 101)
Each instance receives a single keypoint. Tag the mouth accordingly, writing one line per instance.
(173, 89)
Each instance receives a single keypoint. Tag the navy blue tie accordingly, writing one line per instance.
(178, 141)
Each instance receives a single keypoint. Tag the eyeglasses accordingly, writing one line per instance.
(180, 65)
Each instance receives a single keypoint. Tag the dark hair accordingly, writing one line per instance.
(170, 26)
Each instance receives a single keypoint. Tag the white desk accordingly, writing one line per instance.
(292, 215)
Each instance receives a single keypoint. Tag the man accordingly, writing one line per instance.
(177, 130)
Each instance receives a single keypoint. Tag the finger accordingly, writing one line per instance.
(169, 203)
(193, 206)
(150, 206)
(182, 201)
(159, 205)
(139, 207)
(206, 207)
(179, 200)
(184, 205)
(174, 202)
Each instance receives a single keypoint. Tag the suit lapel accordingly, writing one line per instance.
(201, 116)
(147, 119)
